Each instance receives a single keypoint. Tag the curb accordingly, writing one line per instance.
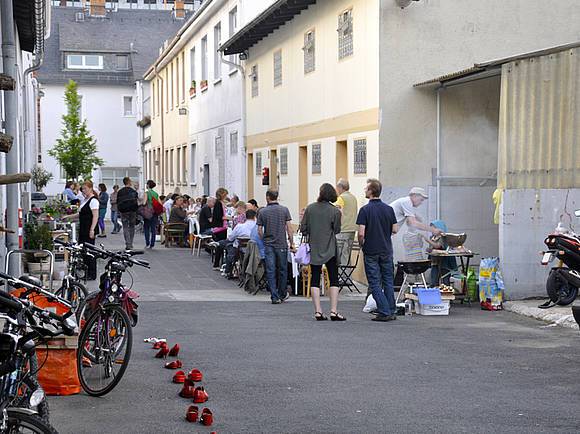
(558, 318)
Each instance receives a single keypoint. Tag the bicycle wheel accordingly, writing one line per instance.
(20, 422)
(104, 349)
(74, 293)
(27, 388)
(84, 310)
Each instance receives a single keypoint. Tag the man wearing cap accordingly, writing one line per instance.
(405, 212)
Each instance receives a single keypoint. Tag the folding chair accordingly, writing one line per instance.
(199, 240)
(345, 272)
(175, 233)
(237, 268)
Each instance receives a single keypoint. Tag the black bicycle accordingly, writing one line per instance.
(73, 287)
(107, 317)
(23, 406)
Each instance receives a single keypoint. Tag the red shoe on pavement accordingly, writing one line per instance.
(192, 414)
(206, 417)
(195, 375)
(176, 364)
(174, 351)
(188, 389)
(200, 395)
(179, 377)
(162, 354)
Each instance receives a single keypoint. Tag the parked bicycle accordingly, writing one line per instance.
(23, 406)
(108, 315)
(73, 289)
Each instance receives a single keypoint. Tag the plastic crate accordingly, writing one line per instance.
(441, 309)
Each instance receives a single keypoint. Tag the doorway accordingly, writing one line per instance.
(251, 175)
(302, 177)
(341, 160)
(273, 169)
(206, 179)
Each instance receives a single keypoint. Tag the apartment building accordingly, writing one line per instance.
(196, 134)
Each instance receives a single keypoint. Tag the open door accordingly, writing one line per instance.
(273, 169)
(341, 160)
(303, 177)
(251, 176)
(206, 179)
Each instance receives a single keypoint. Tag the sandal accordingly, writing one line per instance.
(335, 316)
(319, 316)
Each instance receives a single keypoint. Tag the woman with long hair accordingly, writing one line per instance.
(150, 225)
(321, 223)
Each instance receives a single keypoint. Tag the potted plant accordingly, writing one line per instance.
(192, 89)
(203, 85)
(40, 177)
(37, 237)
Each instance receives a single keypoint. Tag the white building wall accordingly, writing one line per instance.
(117, 135)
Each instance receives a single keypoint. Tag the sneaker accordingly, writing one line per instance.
(384, 318)
(286, 297)
(277, 301)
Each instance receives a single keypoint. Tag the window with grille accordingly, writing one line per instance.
(218, 147)
(360, 156)
(254, 78)
(184, 165)
(127, 106)
(278, 68)
(345, 37)
(123, 62)
(316, 159)
(192, 164)
(217, 61)
(309, 52)
(258, 163)
(233, 21)
(204, 58)
(234, 142)
(283, 161)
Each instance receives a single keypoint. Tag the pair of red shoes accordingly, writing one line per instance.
(164, 350)
(193, 414)
(198, 394)
(195, 375)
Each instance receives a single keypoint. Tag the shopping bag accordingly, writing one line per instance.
(370, 305)
(303, 254)
(491, 286)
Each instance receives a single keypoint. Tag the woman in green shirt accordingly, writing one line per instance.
(321, 223)
(150, 225)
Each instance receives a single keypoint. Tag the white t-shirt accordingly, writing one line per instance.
(167, 205)
(94, 204)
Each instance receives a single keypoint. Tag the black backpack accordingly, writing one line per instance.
(127, 200)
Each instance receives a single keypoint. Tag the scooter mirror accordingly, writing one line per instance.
(577, 213)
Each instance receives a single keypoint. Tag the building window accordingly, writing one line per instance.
(154, 93)
(192, 164)
(278, 68)
(259, 163)
(184, 165)
(360, 156)
(283, 161)
(111, 176)
(345, 37)
(84, 61)
(171, 178)
(217, 61)
(183, 77)
(178, 165)
(204, 59)
(128, 106)
(166, 165)
(234, 143)
(309, 51)
(316, 159)
(177, 82)
(192, 67)
(170, 85)
(233, 21)
(254, 78)
(123, 62)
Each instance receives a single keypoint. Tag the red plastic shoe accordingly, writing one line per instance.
(188, 389)
(176, 364)
(206, 417)
(174, 351)
(179, 377)
(159, 345)
(200, 395)
(162, 354)
(192, 414)
(195, 375)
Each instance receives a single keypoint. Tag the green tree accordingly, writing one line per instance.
(76, 150)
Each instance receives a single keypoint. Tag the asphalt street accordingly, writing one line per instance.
(273, 369)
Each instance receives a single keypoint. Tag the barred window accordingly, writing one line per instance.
(309, 51)
(345, 34)
(278, 68)
(259, 163)
(360, 156)
(218, 147)
(234, 143)
(316, 159)
(254, 78)
(283, 161)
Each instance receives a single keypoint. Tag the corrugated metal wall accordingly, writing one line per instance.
(539, 125)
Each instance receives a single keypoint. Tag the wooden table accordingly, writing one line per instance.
(464, 259)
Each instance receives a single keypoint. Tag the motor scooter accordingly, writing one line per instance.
(564, 279)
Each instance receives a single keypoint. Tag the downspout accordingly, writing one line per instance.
(162, 157)
(439, 153)
(11, 114)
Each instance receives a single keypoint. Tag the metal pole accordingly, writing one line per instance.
(11, 115)
(438, 153)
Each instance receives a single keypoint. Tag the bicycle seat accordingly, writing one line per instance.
(31, 279)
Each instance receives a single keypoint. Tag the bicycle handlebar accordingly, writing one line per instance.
(120, 256)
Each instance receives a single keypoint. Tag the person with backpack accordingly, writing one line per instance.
(128, 204)
(151, 220)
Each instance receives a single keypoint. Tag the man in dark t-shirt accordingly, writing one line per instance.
(377, 223)
(205, 217)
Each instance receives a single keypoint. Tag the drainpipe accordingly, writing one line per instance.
(11, 115)
(162, 158)
(439, 153)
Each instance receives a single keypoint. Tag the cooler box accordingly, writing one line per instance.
(430, 303)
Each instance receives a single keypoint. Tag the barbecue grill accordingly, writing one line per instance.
(411, 268)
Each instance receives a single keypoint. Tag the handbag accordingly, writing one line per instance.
(157, 206)
(146, 211)
(302, 256)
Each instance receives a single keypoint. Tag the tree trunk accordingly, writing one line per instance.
(15, 178)
(6, 142)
